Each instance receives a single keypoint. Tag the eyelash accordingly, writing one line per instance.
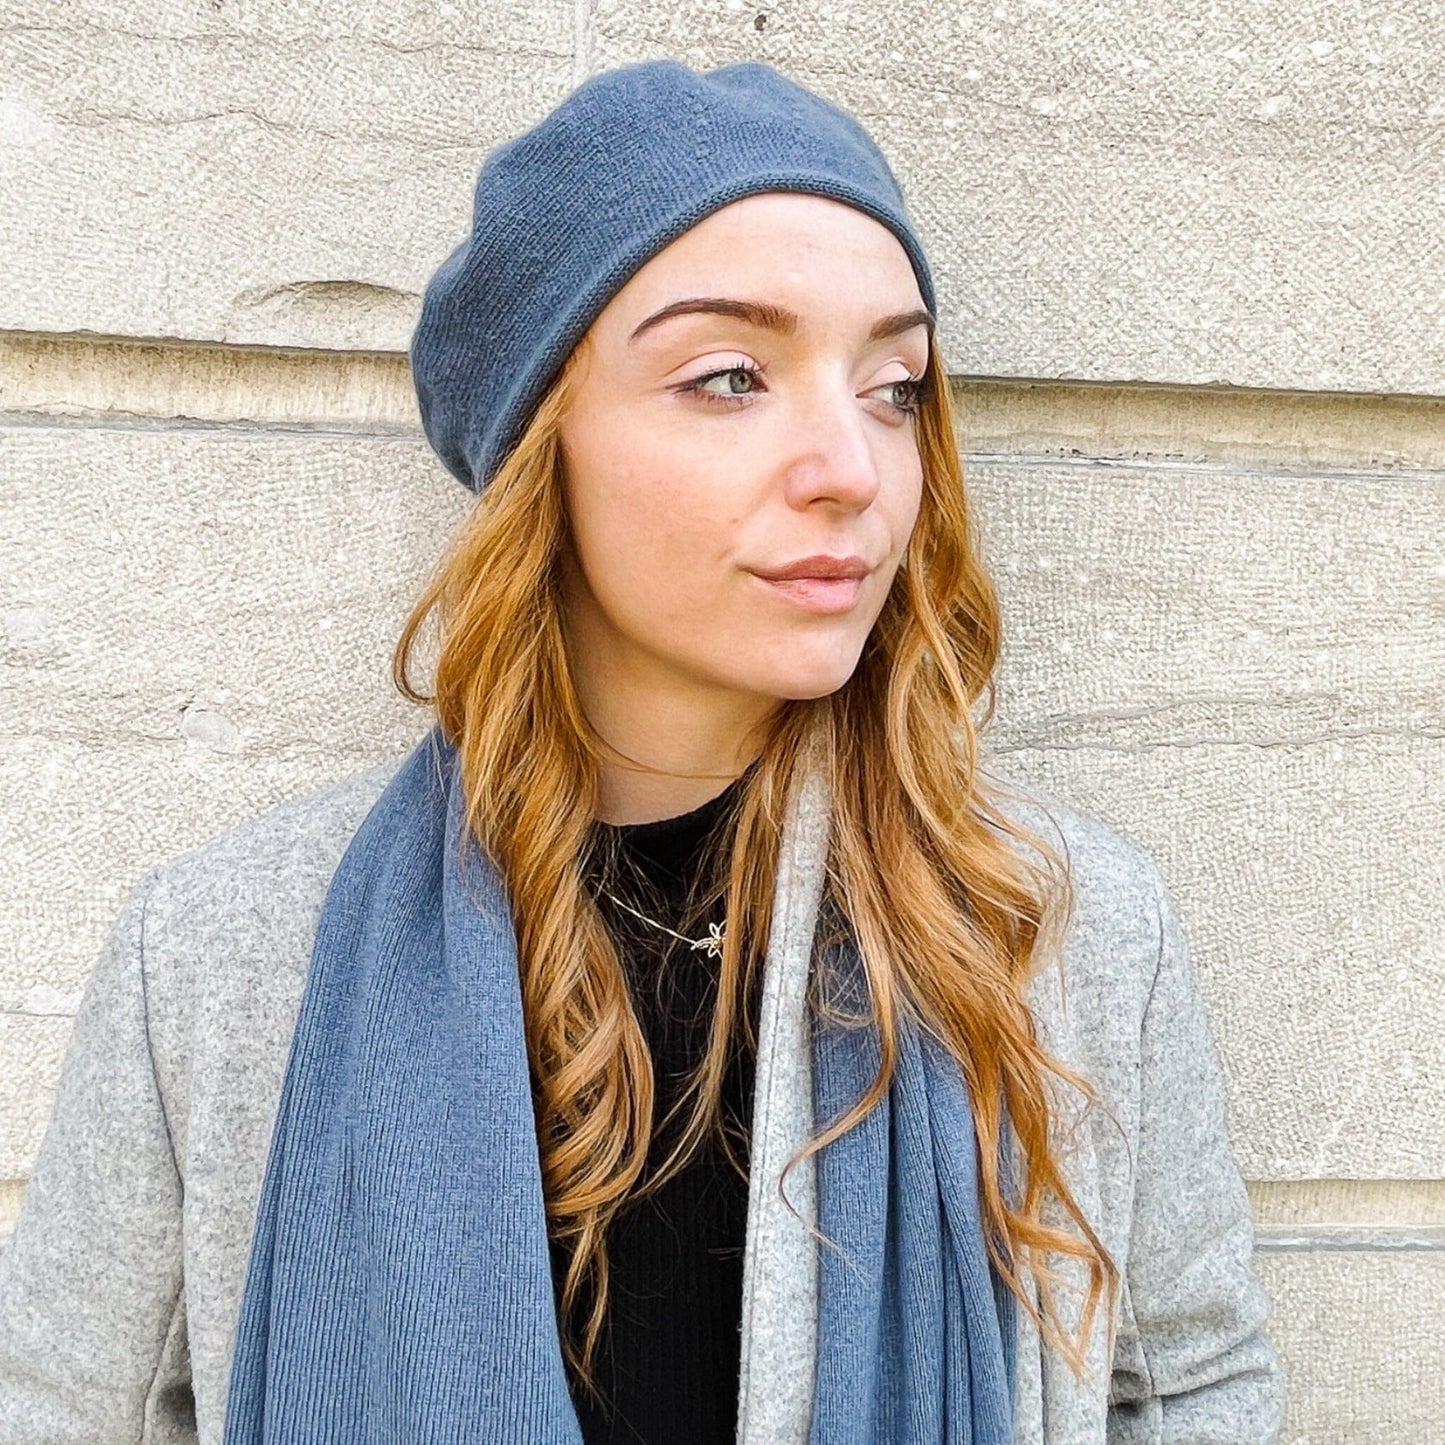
(919, 389)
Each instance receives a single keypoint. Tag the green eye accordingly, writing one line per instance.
(913, 391)
(697, 386)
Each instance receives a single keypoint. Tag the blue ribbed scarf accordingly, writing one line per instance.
(399, 1290)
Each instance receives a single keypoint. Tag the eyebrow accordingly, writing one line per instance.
(774, 318)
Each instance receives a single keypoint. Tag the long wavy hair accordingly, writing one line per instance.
(949, 910)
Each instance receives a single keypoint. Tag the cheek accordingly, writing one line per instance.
(652, 528)
(905, 501)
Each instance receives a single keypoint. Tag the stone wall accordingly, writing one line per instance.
(1191, 275)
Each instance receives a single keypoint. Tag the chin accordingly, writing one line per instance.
(816, 678)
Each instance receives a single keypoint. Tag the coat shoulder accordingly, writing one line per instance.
(224, 941)
(227, 927)
(1113, 933)
(267, 868)
(1100, 855)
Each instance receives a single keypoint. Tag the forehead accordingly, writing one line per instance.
(801, 250)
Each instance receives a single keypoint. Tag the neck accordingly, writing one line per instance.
(670, 742)
(626, 795)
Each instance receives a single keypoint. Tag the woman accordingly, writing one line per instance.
(688, 1040)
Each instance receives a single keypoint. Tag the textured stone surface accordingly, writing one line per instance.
(1246, 672)
(1289, 1206)
(31, 1048)
(1239, 429)
(194, 624)
(1151, 604)
(50, 377)
(1359, 1335)
(271, 171)
(12, 1194)
(1254, 194)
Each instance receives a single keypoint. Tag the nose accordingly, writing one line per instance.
(833, 455)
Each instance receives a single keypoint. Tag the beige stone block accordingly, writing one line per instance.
(31, 1050)
(1250, 194)
(194, 624)
(98, 379)
(284, 172)
(12, 1195)
(1151, 603)
(1268, 431)
(1337, 1207)
(1251, 198)
(1359, 1335)
(1246, 673)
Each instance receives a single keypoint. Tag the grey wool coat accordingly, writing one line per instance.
(121, 1283)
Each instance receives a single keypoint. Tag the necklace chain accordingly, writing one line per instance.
(712, 943)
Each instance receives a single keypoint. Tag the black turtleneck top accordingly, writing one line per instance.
(668, 1358)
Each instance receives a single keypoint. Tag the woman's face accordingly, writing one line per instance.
(746, 404)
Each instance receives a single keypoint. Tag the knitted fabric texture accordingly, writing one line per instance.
(566, 212)
(399, 1286)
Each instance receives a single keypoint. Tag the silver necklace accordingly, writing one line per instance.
(712, 943)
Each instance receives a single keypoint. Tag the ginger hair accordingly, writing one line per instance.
(950, 912)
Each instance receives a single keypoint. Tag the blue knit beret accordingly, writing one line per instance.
(566, 212)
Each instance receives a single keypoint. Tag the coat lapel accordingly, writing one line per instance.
(780, 1262)
(780, 1266)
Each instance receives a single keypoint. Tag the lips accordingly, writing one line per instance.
(816, 594)
(820, 565)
